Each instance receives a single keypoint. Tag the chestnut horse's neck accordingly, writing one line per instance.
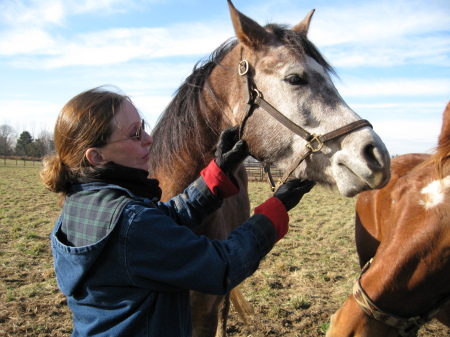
(187, 132)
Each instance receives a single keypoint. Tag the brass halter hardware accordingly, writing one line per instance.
(316, 138)
(243, 67)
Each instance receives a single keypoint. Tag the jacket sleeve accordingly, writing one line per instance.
(201, 198)
(161, 254)
(219, 182)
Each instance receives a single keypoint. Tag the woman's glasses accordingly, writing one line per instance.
(137, 136)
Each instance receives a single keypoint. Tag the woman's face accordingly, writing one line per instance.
(122, 147)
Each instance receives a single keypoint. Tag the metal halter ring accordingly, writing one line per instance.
(243, 67)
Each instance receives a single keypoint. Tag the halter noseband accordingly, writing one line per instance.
(407, 327)
(314, 143)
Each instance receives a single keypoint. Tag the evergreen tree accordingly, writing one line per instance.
(23, 144)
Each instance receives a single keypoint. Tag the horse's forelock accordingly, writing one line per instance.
(299, 44)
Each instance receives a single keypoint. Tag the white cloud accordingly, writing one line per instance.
(352, 87)
(35, 116)
(408, 136)
(368, 33)
(113, 45)
(365, 34)
(32, 41)
(41, 13)
(381, 21)
(75, 7)
(433, 50)
(32, 116)
(36, 13)
(151, 107)
(408, 130)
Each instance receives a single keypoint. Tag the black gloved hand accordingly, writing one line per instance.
(230, 151)
(292, 192)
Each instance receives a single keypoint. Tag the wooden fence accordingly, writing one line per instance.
(255, 171)
(20, 161)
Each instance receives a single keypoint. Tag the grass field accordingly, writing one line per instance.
(305, 278)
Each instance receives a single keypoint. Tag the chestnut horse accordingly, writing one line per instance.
(405, 228)
(233, 88)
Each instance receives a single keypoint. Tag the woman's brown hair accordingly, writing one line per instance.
(84, 122)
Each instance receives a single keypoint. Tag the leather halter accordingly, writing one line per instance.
(407, 327)
(314, 143)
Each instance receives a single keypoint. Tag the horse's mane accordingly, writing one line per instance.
(180, 130)
(179, 127)
(441, 154)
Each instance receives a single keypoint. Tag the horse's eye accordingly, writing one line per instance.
(297, 79)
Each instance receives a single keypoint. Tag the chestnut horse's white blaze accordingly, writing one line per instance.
(434, 194)
(290, 74)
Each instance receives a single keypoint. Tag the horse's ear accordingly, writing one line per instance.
(303, 26)
(445, 130)
(248, 32)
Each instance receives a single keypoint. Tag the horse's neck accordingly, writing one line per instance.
(216, 113)
(184, 170)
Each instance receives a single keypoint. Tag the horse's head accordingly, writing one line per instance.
(290, 74)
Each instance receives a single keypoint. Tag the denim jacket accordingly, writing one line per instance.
(135, 280)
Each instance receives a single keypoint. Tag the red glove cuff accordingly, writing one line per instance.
(274, 209)
(218, 182)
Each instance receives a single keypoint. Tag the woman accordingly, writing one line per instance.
(125, 260)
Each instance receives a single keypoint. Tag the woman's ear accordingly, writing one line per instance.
(94, 156)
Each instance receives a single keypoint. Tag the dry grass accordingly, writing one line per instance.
(299, 285)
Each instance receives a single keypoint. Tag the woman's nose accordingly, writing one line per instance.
(148, 140)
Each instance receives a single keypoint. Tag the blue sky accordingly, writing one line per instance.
(392, 56)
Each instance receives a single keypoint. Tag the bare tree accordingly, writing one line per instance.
(46, 139)
(7, 136)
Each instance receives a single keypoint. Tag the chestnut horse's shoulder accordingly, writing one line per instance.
(403, 164)
(406, 179)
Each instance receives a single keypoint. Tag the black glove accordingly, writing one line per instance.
(230, 152)
(292, 192)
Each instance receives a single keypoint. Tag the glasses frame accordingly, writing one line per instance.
(137, 136)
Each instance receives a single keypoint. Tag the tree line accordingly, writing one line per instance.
(24, 145)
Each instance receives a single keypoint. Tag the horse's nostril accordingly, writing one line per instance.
(373, 156)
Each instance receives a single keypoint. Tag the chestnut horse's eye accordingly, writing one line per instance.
(295, 79)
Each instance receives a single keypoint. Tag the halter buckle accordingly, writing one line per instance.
(315, 138)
